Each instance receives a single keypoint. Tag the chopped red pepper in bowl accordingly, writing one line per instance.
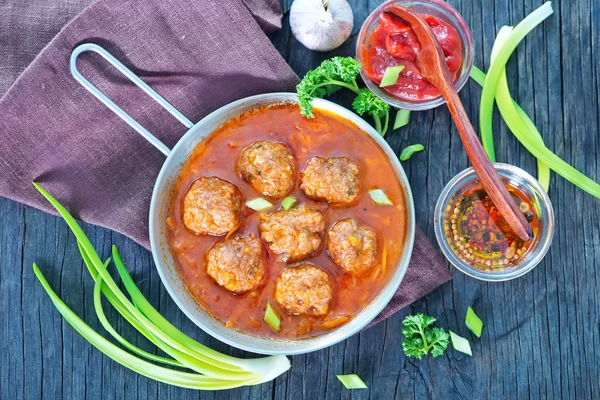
(386, 41)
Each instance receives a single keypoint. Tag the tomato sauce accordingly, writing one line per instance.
(326, 135)
(393, 42)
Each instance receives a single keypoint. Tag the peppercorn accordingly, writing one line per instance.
(529, 216)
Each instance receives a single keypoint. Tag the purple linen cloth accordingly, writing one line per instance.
(198, 54)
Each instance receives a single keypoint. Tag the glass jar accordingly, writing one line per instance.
(536, 196)
(436, 8)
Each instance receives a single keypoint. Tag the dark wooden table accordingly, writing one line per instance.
(541, 336)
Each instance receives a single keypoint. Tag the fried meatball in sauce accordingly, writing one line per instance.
(304, 290)
(294, 234)
(334, 179)
(352, 246)
(269, 167)
(236, 263)
(212, 206)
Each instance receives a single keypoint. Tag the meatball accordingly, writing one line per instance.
(295, 234)
(334, 179)
(236, 263)
(303, 290)
(269, 168)
(352, 246)
(212, 206)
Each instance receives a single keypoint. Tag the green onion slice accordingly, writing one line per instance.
(352, 381)
(379, 197)
(390, 76)
(410, 150)
(402, 118)
(460, 344)
(496, 68)
(288, 203)
(258, 204)
(272, 318)
(473, 322)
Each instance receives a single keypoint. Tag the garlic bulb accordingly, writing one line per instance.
(321, 25)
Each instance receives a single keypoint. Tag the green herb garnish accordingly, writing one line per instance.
(473, 322)
(329, 77)
(380, 198)
(333, 75)
(352, 381)
(390, 76)
(402, 119)
(272, 318)
(367, 102)
(258, 204)
(460, 344)
(208, 369)
(288, 203)
(420, 336)
(410, 150)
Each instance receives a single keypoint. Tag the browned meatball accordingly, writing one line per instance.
(236, 263)
(269, 168)
(303, 290)
(295, 234)
(212, 206)
(334, 179)
(352, 246)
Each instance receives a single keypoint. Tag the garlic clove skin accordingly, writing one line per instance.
(321, 25)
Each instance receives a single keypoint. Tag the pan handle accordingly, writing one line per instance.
(115, 108)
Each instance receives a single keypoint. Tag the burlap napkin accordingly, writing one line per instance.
(198, 54)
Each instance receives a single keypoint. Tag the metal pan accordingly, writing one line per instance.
(161, 197)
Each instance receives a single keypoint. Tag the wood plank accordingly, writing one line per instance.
(541, 335)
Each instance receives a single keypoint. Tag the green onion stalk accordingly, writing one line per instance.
(496, 69)
(210, 370)
(495, 85)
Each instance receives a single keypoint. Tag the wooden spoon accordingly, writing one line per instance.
(434, 68)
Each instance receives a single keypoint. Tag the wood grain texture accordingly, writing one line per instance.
(541, 338)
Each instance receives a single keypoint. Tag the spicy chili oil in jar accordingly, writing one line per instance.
(474, 236)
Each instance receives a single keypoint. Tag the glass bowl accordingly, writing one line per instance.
(542, 237)
(439, 9)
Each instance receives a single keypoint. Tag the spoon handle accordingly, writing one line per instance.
(434, 68)
(487, 174)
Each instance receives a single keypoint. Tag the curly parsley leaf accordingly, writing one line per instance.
(367, 102)
(438, 340)
(329, 77)
(420, 336)
(333, 75)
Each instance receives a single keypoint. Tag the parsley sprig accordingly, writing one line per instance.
(420, 336)
(333, 75)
